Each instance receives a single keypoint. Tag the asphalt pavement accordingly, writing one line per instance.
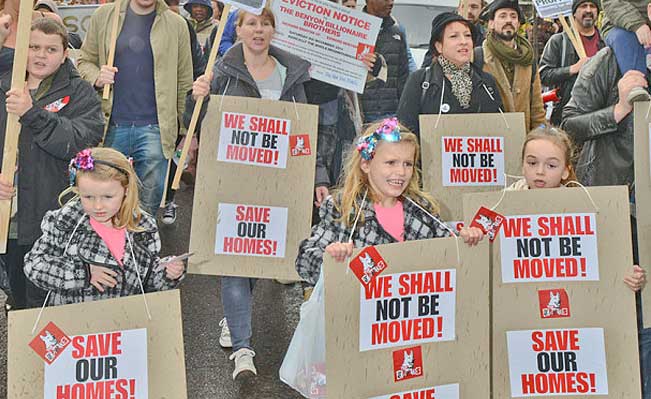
(208, 370)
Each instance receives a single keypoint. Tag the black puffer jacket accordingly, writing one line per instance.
(381, 98)
(480, 101)
(557, 57)
(232, 78)
(607, 154)
(48, 140)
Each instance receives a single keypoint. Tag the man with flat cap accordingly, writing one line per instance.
(560, 64)
(509, 57)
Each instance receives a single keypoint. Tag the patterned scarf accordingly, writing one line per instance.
(460, 78)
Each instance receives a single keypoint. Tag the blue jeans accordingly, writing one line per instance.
(628, 51)
(237, 298)
(143, 144)
(644, 337)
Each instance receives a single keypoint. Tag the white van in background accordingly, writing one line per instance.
(416, 17)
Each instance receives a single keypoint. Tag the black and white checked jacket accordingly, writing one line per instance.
(59, 260)
(418, 226)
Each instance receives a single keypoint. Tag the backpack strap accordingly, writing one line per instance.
(425, 85)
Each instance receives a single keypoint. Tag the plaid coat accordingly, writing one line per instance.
(59, 260)
(418, 226)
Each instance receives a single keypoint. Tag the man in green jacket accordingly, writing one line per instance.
(150, 78)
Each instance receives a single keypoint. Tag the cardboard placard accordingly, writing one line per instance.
(333, 38)
(469, 153)
(558, 331)
(643, 198)
(253, 195)
(105, 349)
(420, 326)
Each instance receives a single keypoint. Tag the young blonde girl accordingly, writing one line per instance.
(381, 192)
(100, 244)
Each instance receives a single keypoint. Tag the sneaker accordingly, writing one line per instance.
(243, 363)
(284, 282)
(169, 213)
(638, 94)
(225, 336)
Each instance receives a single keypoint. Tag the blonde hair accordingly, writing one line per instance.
(355, 181)
(559, 138)
(113, 165)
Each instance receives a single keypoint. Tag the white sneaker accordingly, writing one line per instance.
(225, 336)
(243, 363)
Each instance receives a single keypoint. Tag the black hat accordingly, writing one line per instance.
(441, 21)
(577, 3)
(489, 12)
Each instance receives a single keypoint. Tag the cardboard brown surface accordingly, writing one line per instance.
(232, 183)
(469, 125)
(607, 303)
(643, 198)
(166, 357)
(465, 360)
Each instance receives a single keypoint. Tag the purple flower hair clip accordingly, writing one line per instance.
(84, 161)
(389, 130)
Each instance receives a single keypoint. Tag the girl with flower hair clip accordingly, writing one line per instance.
(100, 244)
(380, 201)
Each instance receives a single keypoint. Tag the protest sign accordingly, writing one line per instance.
(556, 362)
(333, 38)
(469, 153)
(77, 17)
(412, 332)
(550, 247)
(252, 230)
(642, 148)
(553, 8)
(472, 161)
(251, 213)
(102, 349)
(405, 308)
(254, 6)
(557, 331)
(254, 140)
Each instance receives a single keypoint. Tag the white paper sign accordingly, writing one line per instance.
(449, 391)
(251, 230)
(472, 161)
(407, 308)
(254, 140)
(253, 6)
(106, 364)
(555, 247)
(557, 362)
(333, 38)
(553, 8)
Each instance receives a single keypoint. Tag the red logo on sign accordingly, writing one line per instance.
(367, 265)
(554, 303)
(363, 49)
(57, 105)
(407, 363)
(300, 145)
(50, 343)
(488, 221)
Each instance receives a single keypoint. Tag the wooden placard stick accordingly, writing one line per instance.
(114, 39)
(12, 129)
(577, 34)
(197, 106)
(576, 42)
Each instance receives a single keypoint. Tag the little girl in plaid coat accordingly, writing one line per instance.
(380, 202)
